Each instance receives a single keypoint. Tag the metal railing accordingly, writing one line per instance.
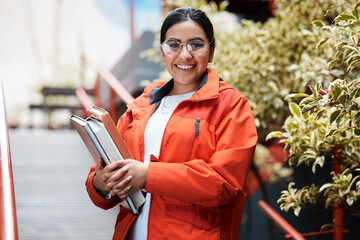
(8, 221)
(116, 88)
(292, 233)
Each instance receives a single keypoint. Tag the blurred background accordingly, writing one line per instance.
(42, 41)
(58, 57)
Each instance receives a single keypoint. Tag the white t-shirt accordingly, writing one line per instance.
(154, 132)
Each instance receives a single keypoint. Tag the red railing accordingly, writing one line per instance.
(116, 88)
(280, 221)
(8, 223)
(291, 233)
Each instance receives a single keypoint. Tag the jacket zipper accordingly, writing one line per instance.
(196, 133)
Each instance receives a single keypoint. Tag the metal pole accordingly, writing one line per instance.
(338, 210)
(280, 221)
(8, 220)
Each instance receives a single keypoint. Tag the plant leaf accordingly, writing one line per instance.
(319, 161)
(343, 99)
(308, 108)
(331, 63)
(320, 113)
(318, 86)
(336, 92)
(297, 211)
(357, 120)
(275, 134)
(223, 5)
(350, 201)
(322, 42)
(295, 95)
(344, 17)
(318, 23)
(334, 115)
(326, 185)
(295, 109)
(355, 12)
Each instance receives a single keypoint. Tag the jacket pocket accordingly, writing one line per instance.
(201, 217)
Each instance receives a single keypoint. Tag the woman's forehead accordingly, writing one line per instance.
(185, 31)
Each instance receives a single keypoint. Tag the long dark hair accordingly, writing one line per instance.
(185, 14)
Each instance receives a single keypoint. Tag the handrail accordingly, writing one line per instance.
(8, 222)
(84, 98)
(280, 221)
(110, 79)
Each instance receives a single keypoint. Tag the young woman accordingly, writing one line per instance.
(192, 139)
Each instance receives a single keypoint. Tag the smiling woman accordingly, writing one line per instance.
(184, 137)
(186, 65)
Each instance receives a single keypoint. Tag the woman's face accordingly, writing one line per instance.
(184, 68)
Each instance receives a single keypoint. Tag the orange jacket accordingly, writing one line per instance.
(197, 183)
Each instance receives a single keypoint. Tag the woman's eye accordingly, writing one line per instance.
(196, 45)
(174, 45)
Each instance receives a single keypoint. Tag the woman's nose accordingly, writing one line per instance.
(184, 52)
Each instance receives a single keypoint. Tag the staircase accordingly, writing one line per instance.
(50, 168)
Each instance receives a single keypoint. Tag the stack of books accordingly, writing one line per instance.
(100, 135)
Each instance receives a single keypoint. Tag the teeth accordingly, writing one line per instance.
(185, 66)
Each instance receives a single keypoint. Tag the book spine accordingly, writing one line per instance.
(107, 162)
(131, 205)
(97, 144)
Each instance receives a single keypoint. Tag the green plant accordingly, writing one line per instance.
(324, 128)
(267, 61)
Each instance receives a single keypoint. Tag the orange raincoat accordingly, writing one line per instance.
(197, 183)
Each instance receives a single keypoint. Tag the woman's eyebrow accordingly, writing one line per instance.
(196, 38)
(191, 39)
(174, 39)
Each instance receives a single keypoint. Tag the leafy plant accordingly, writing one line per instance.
(267, 61)
(324, 128)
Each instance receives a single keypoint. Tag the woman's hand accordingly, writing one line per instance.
(102, 174)
(99, 180)
(123, 177)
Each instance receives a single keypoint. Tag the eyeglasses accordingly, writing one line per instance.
(195, 47)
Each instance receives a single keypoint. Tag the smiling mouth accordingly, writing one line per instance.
(185, 67)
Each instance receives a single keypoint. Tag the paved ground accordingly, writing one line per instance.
(50, 168)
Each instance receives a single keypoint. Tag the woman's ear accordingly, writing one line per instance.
(211, 55)
(162, 53)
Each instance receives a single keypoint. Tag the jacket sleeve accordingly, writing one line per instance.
(219, 180)
(95, 197)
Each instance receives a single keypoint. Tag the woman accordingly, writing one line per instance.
(193, 140)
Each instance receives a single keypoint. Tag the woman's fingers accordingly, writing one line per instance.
(115, 164)
(124, 193)
(122, 187)
(99, 164)
(117, 174)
